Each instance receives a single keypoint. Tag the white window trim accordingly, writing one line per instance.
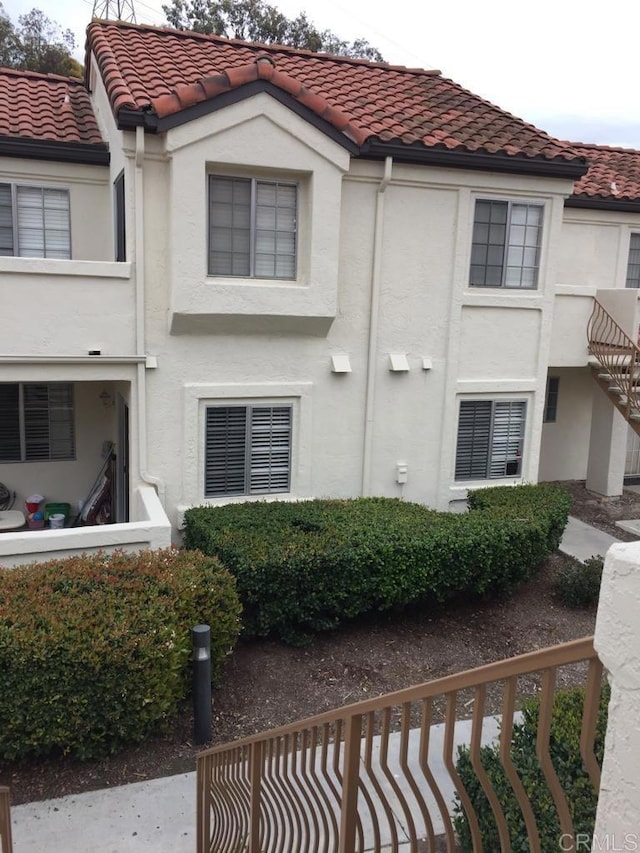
(15, 185)
(510, 200)
(198, 396)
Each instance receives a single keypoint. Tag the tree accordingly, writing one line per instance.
(257, 20)
(37, 44)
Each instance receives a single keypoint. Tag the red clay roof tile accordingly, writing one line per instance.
(146, 67)
(45, 107)
(614, 173)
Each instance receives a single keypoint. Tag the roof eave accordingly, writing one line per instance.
(479, 160)
(129, 118)
(588, 202)
(89, 153)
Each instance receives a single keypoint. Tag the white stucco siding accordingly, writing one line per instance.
(564, 451)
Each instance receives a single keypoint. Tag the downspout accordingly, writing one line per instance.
(374, 311)
(145, 476)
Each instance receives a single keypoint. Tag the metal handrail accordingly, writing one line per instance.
(617, 354)
(321, 784)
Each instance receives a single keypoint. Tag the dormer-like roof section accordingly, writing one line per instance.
(48, 116)
(613, 178)
(162, 77)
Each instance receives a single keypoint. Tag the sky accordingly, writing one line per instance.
(569, 67)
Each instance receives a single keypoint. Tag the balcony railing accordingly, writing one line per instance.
(369, 776)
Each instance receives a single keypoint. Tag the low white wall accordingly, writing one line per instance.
(617, 641)
(152, 530)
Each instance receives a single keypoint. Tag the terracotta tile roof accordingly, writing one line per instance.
(46, 107)
(614, 173)
(165, 71)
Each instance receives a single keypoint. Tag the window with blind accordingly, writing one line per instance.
(505, 251)
(34, 222)
(252, 227)
(36, 422)
(633, 263)
(490, 439)
(247, 450)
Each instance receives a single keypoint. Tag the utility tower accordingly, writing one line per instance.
(114, 10)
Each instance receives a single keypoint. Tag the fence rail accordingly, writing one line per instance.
(6, 845)
(382, 773)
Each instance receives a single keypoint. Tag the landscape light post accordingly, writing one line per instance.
(201, 641)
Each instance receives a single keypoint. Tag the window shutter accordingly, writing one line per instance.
(507, 439)
(225, 450)
(474, 433)
(6, 220)
(62, 443)
(10, 423)
(270, 449)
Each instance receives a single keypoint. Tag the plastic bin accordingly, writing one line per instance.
(57, 509)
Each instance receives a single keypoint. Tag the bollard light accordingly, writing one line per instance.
(201, 641)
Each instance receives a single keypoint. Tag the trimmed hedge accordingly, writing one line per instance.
(565, 754)
(578, 584)
(308, 566)
(95, 650)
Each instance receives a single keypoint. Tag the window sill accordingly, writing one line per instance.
(67, 268)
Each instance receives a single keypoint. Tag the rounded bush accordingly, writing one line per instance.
(95, 650)
(578, 584)
(564, 748)
(308, 566)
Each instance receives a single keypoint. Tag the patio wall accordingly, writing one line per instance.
(151, 530)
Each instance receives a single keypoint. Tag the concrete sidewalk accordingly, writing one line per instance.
(583, 541)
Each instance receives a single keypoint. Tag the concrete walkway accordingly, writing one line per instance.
(160, 815)
(583, 541)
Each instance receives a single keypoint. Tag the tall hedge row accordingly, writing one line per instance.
(305, 567)
(95, 650)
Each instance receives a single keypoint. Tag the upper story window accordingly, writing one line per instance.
(34, 222)
(506, 244)
(247, 450)
(36, 421)
(252, 227)
(120, 218)
(551, 400)
(490, 439)
(633, 264)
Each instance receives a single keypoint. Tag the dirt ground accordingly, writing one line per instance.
(266, 684)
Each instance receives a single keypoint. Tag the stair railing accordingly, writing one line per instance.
(617, 354)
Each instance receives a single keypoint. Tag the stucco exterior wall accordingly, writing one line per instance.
(564, 450)
(247, 340)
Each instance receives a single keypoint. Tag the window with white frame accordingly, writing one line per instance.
(633, 263)
(551, 399)
(247, 450)
(34, 222)
(36, 421)
(490, 439)
(505, 250)
(252, 227)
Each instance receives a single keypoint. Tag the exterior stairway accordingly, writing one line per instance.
(615, 363)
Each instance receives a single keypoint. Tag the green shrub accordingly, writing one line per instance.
(95, 650)
(578, 584)
(564, 749)
(308, 566)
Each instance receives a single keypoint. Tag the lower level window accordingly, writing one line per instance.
(36, 421)
(247, 450)
(490, 439)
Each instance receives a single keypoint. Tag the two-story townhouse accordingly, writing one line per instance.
(332, 278)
